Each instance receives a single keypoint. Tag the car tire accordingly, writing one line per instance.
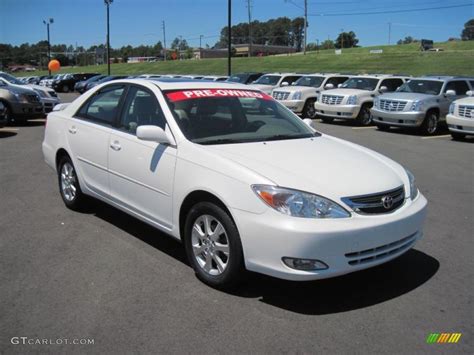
(69, 188)
(364, 118)
(9, 117)
(309, 111)
(429, 126)
(327, 119)
(65, 88)
(383, 127)
(217, 259)
(457, 136)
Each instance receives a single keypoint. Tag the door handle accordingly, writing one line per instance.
(115, 146)
(72, 130)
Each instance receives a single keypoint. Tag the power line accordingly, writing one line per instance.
(392, 11)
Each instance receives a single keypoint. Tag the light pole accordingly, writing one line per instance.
(47, 23)
(107, 3)
(229, 39)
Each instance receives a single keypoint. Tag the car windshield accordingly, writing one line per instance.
(238, 78)
(368, 84)
(224, 116)
(429, 87)
(268, 80)
(314, 81)
(11, 79)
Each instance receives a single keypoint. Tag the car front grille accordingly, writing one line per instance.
(280, 95)
(32, 98)
(466, 111)
(392, 105)
(332, 99)
(382, 202)
(53, 93)
(380, 252)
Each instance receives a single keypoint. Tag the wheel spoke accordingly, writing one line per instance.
(224, 248)
(197, 249)
(208, 265)
(220, 265)
(198, 232)
(217, 232)
(207, 225)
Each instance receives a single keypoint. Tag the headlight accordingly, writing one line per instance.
(376, 102)
(297, 95)
(452, 107)
(413, 188)
(298, 203)
(352, 100)
(21, 98)
(417, 106)
(41, 93)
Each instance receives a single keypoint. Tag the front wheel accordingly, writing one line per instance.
(69, 185)
(430, 123)
(66, 88)
(213, 246)
(308, 110)
(365, 117)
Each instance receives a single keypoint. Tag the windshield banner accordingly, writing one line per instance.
(203, 93)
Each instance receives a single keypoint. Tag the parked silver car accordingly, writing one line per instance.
(420, 103)
(21, 102)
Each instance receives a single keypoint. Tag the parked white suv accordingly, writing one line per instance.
(242, 188)
(461, 117)
(354, 98)
(419, 103)
(268, 82)
(303, 93)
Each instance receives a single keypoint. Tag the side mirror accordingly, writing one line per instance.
(310, 123)
(339, 85)
(470, 93)
(450, 93)
(329, 86)
(153, 134)
(285, 83)
(383, 89)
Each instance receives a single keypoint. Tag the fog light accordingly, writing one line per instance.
(304, 264)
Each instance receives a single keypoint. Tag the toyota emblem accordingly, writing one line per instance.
(387, 202)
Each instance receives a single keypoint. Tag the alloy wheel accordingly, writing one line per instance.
(432, 123)
(68, 182)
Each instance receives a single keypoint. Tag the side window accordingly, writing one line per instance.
(459, 86)
(472, 84)
(141, 108)
(103, 106)
(392, 84)
(290, 79)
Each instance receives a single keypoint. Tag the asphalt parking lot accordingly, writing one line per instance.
(106, 276)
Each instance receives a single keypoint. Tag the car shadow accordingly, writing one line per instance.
(442, 130)
(341, 294)
(7, 134)
(33, 123)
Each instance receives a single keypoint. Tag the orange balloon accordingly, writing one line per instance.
(54, 65)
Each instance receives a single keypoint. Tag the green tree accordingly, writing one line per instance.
(468, 31)
(346, 39)
(327, 44)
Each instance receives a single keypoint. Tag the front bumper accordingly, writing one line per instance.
(460, 124)
(345, 245)
(27, 110)
(49, 103)
(398, 118)
(337, 111)
(294, 105)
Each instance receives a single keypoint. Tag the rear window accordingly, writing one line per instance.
(225, 116)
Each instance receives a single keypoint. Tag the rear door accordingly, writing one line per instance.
(141, 173)
(89, 133)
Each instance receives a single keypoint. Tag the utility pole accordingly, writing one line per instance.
(389, 32)
(305, 24)
(250, 26)
(317, 45)
(107, 3)
(47, 23)
(164, 40)
(342, 38)
(229, 38)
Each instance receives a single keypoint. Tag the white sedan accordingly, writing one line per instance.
(243, 182)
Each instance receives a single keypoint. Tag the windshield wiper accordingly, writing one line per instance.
(289, 136)
(220, 141)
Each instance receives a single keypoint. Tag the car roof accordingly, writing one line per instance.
(186, 84)
(442, 77)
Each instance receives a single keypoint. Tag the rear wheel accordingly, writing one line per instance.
(430, 123)
(308, 110)
(213, 246)
(365, 117)
(65, 88)
(69, 185)
(9, 118)
(458, 136)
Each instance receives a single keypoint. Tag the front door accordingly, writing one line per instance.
(141, 173)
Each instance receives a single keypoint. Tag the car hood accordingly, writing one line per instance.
(347, 92)
(19, 89)
(465, 101)
(297, 88)
(322, 165)
(265, 88)
(405, 96)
